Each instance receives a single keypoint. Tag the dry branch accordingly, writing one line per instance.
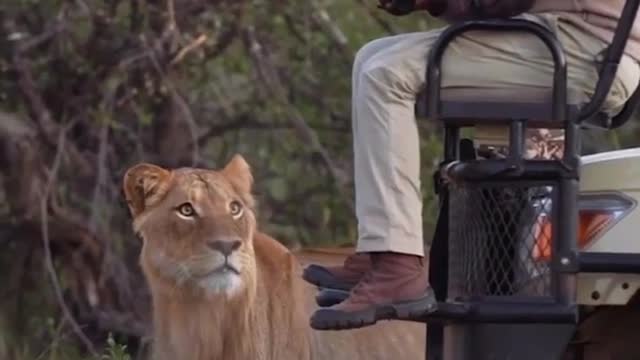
(190, 47)
(44, 220)
(270, 79)
(178, 100)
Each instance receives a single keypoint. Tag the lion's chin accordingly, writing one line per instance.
(227, 283)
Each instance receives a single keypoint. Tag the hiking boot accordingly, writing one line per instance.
(396, 288)
(343, 277)
(328, 297)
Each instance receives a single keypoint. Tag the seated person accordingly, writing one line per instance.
(389, 267)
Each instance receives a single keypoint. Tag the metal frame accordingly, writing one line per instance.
(566, 261)
(609, 69)
(564, 174)
(434, 73)
(601, 262)
(497, 312)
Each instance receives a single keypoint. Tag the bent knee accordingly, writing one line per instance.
(390, 78)
(377, 73)
(369, 49)
(626, 82)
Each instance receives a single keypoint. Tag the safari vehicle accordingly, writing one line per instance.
(533, 259)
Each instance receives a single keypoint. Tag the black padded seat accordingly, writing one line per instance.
(475, 106)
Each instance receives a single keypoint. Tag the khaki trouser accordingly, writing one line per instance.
(387, 75)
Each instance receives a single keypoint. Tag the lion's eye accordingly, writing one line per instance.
(235, 208)
(186, 210)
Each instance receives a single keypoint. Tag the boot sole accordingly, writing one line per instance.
(316, 275)
(330, 319)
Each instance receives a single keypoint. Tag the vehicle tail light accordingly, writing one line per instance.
(596, 215)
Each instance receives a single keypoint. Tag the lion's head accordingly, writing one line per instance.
(222, 289)
(197, 227)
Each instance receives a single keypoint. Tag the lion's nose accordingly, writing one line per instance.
(226, 247)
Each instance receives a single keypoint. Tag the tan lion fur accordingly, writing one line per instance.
(262, 313)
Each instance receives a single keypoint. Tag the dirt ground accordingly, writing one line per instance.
(323, 256)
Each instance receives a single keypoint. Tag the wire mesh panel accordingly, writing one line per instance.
(499, 240)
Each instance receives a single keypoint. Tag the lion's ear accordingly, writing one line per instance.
(239, 173)
(144, 185)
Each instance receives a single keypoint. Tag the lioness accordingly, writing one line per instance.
(224, 291)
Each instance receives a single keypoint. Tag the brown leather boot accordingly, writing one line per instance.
(396, 288)
(343, 277)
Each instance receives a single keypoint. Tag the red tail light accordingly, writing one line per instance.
(596, 215)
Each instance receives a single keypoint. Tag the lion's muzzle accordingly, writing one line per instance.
(225, 246)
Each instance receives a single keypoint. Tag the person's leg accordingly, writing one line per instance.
(388, 199)
(486, 60)
(344, 277)
(388, 196)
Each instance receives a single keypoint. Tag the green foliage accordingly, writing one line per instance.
(140, 81)
(62, 349)
(115, 351)
(137, 81)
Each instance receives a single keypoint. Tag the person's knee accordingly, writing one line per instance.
(379, 76)
(369, 50)
(626, 82)
(377, 68)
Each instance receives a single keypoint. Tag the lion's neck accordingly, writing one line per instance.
(257, 326)
(267, 322)
(204, 329)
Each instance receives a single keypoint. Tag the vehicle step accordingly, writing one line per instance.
(506, 311)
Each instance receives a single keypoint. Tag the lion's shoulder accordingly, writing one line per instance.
(275, 261)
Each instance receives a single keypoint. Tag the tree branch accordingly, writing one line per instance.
(270, 79)
(178, 100)
(44, 218)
